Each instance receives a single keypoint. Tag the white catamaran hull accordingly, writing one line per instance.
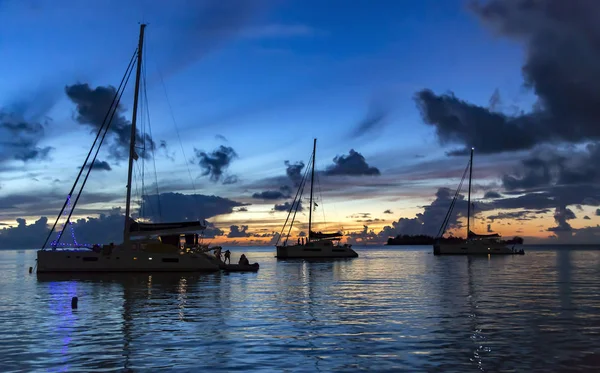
(311, 251)
(122, 261)
(474, 248)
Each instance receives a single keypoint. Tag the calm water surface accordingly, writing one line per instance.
(398, 309)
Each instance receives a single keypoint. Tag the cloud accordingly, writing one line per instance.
(93, 106)
(597, 212)
(562, 215)
(242, 209)
(561, 44)
(553, 166)
(221, 138)
(294, 171)
(353, 164)
(238, 231)
(214, 164)
(492, 195)
(518, 215)
(282, 193)
(427, 223)
(286, 207)
(172, 207)
(212, 231)
(19, 139)
(587, 218)
(388, 212)
(104, 229)
(100, 166)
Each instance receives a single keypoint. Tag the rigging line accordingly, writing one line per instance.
(452, 204)
(302, 180)
(178, 136)
(90, 151)
(144, 87)
(299, 202)
(321, 195)
(98, 150)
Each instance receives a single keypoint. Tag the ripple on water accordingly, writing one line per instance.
(388, 310)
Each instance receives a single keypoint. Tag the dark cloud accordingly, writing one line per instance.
(518, 215)
(92, 108)
(353, 164)
(282, 193)
(561, 216)
(238, 231)
(171, 207)
(242, 209)
(212, 231)
(427, 223)
(597, 212)
(221, 138)
(214, 164)
(294, 171)
(562, 41)
(552, 166)
(104, 229)
(19, 139)
(587, 218)
(100, 166)
(286, 207)
(492, 195)
(388, 212)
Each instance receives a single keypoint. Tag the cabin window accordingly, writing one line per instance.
(171, 260)
(90, 259)
(312, 249)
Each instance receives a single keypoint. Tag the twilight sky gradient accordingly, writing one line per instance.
(394, 91)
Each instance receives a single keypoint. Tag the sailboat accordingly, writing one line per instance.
(474, 244)
(145, 246)
(317, 244)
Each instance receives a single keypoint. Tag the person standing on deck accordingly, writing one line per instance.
(227, 256)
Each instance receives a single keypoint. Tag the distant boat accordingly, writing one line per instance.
(317, 244)
(474, 244)
(158, 245)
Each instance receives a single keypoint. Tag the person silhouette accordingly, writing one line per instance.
(227, 256)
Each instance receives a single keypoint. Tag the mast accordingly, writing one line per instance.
(312, 180)
(469, 195)
(126, 235)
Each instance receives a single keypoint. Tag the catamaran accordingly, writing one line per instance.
(145, 246)
(317, 244)
(474, 244)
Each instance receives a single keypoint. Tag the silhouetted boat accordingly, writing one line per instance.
(318, 244)
(474, 244)
(158, 246)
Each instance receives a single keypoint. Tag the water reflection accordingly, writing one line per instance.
(385, 311)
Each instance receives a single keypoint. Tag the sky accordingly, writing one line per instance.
(396, 93)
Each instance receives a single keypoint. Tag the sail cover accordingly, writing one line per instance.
(320, 236)
(153, 227)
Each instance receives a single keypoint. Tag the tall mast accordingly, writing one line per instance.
(469, 195)
(126, 235)
(312, 181)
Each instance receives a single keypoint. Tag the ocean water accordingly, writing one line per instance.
(390, 310)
